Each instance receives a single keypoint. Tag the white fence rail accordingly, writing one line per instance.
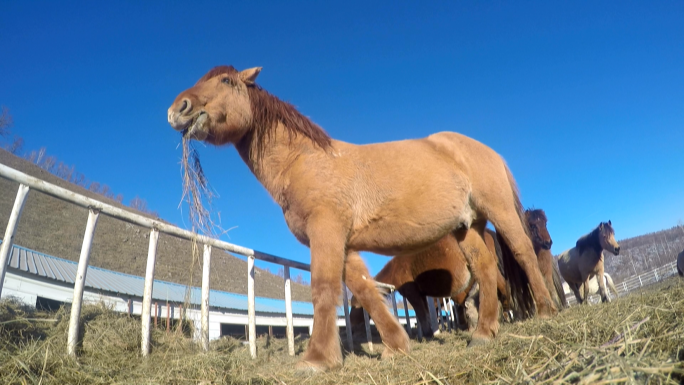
(95, 207)
(635, 282)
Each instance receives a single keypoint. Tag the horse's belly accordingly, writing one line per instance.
(394, 238)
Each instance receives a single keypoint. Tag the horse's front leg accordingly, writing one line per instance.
(602, 284)
(327, 243)
(361, 284)
(420, 306)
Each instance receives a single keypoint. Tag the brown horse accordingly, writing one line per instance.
(521, 301)
(438, 271)
(339, 198)
(541, 241)
(584, 261)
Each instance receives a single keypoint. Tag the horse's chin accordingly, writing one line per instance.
(198, 128)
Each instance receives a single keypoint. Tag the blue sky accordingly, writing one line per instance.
(585, 101)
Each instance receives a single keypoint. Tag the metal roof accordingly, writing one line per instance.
(63, 270)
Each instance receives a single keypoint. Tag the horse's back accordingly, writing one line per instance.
(568, 265)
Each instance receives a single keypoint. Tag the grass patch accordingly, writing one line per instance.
(635, 339)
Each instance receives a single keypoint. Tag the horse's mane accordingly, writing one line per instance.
(592, 240)
(268, 111)
(535, 214)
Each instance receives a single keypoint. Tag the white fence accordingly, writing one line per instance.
(635, 282)
(95, 208)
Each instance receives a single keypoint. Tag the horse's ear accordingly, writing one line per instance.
(601, 226)
(249, 75)
(609, 222)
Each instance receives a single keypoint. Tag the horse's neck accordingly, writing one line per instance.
(280, 150)
(395, 272)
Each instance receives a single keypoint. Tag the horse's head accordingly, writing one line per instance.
(607, 238)
(217, 108)
(536, 222)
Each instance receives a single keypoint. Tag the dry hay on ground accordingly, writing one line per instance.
(635, 339)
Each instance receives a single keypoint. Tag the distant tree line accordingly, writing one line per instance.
(14, 144)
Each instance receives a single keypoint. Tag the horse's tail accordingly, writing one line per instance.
(611, 285)
(522, 302)
(558, 285)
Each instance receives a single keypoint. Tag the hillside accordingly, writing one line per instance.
(54, 227)
(645, 253)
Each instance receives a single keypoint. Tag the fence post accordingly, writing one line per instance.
(640, 282)
(289, 330)
(80, 281)
(6, 247)
(147, 293)
(251, 302)
(440, 320)
(206, 266)
(394, 303)
(408, 319)
(447, 309)
(347, 320)
(655, 273)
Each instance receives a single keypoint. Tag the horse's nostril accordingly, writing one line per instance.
(186, 106)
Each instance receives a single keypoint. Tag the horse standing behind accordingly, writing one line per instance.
(585, 260)
(339, 198)
(680, 264)
(438, 271)
(541, 241)
(594, 285)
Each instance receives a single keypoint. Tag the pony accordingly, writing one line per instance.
(520, 299)
(584, 261)
(541, 241)
(680, 264)
(340, 198)
(594, 286)
(438, 271)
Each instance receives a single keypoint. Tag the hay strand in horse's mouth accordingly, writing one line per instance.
(196, 191)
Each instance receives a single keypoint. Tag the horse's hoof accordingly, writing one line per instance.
(547, 311)
(311, 367)
(478, 341)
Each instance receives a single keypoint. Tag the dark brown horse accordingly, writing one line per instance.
(522, 302)
(584, 261)
(541, 240)
(339, 198)
(439, 271)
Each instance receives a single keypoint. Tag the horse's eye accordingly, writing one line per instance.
(227, 81)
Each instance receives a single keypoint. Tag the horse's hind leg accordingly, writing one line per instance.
(576, 290)
(484, 269)
(508, 223)
(362, 285)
